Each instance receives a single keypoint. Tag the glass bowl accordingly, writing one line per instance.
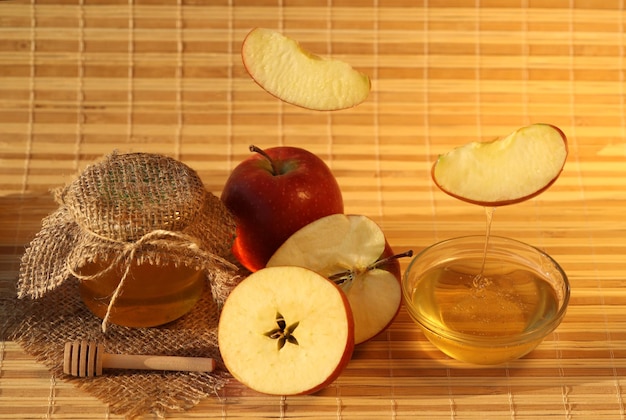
(485, 312)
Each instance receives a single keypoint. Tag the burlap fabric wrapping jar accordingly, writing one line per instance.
(128, 207)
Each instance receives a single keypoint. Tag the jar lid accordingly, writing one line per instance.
(131, 206)
(128, 195)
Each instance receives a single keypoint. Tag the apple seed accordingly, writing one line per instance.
(284, 333)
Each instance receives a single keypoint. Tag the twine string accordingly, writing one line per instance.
(167, 239)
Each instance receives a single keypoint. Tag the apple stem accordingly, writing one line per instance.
(342, 277)
(408, 253)
(262, 152)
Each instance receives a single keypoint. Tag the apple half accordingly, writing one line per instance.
(286, 331)
(505, 171)
(352, 251)
(284, 69)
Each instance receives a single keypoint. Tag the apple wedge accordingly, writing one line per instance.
(352, 251)
(286, 331)
(284, 69)
(505, 171)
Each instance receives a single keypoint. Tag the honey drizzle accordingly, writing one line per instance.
(480, 281)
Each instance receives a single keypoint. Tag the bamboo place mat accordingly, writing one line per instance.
(80, 78)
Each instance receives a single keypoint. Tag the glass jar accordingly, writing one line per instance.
(151, 295)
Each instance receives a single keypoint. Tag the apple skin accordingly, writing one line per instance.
(268, 207)
(505, 202)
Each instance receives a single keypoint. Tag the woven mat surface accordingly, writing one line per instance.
(80, 78)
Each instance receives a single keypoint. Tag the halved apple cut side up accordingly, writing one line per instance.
(286, 331)
(350, 250)
(505, 171)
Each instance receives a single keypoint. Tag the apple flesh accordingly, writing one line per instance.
(284, 69)
(352, 251)
(274, 193)
(286, 331)
(505, 171)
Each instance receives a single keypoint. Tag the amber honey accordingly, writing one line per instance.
(485, 304)
(505, 306)
(151, 295)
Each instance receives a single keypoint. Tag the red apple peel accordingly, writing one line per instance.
(274, 193)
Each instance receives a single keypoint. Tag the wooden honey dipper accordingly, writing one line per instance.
(86, 359)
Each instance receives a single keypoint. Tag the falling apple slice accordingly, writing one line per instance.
(352, 251)
(283, 68)
(286, 331)
(506, 171)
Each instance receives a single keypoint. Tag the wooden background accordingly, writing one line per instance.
(80, 78)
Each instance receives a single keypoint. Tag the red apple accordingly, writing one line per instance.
(352, 251)
(286, 331)
(274, 193)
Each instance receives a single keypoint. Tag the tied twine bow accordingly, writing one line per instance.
(167, 239)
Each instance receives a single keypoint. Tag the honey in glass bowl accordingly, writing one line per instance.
(485, 308)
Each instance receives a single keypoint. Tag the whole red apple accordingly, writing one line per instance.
(274, 193)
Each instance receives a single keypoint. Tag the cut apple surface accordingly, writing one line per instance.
(505, 171)
(284, 69)
(286, 331)
(352, 251)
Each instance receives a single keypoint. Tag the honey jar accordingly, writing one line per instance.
(142, 236)
(153, 295)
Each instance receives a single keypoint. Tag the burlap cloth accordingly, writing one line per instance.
(134, 206)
